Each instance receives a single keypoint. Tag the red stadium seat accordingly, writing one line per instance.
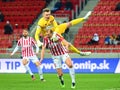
(103, 21)
(21, 12)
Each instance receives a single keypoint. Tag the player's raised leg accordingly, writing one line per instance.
(74, 22)
(74, 49)
(60, 29)
(78, 20)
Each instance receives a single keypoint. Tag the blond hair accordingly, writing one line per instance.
(46, 10)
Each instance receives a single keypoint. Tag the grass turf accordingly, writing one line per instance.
(83, 82)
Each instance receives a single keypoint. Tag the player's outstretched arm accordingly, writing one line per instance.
(37, 49)
(42, 53)
(37, 33)
(15, 50)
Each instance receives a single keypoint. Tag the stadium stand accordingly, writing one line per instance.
(21, 14)
(104, 21)
(77, 6)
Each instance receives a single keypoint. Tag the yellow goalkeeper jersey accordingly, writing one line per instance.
(43, 25)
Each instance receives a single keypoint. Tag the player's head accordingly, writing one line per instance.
(46, 13)
(25, 33)
(49, 33)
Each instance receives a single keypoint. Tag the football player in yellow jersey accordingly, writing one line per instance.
(48, 22)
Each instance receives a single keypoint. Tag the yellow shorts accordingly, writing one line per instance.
(60, 29)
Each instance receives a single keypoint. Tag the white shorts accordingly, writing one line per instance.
(32, 58)
(58, 60)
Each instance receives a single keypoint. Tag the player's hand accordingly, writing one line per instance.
(54, 37)
(39, 43)
(87, 15)
(11, 55)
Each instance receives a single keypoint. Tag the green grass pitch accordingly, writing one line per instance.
(83, 82)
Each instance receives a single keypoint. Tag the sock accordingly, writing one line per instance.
(72, 74)
(28, 69)
(40, 72)
(76, 21)
(74, 49)
(61, 80)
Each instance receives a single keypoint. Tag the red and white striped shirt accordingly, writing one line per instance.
(56, 48)
(26, 45)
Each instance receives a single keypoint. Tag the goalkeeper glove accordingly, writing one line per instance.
(39, 43)
(87, 15)
(54, 37)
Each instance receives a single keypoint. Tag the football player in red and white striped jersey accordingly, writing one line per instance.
(56, 48)
(59, 54)
(27, 43)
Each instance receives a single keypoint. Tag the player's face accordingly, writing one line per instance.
(46, 15)
(25, 33)
(49, 34)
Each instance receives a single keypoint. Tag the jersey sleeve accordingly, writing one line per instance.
(55, 23)
(18, 43)
(38, 31)
(33, 41)
(34, 44)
